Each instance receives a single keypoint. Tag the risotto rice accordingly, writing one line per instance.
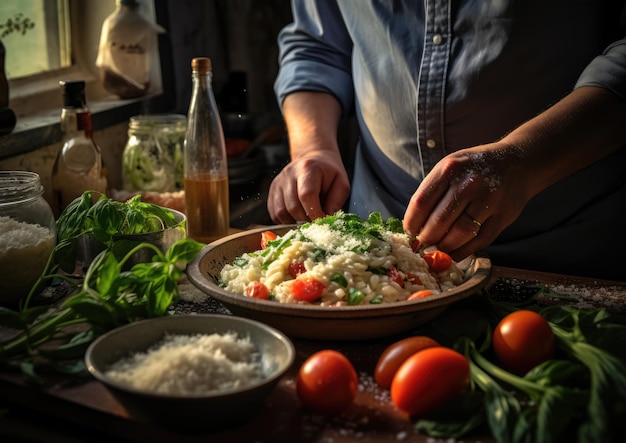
(357, 262)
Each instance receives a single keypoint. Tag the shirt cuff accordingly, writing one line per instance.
(608, 70)
(311, 76)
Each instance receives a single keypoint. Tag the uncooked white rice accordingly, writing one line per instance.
(191, 365)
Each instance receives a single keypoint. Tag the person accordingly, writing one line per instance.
(484, 126)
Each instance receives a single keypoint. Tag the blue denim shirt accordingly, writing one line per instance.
(425, 78)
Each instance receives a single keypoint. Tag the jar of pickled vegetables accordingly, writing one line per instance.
(27, 234)
(152, 159)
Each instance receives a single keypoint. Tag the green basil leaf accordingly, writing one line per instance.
(12, 319)
(73, 349)
(95, 312)
(183, 250)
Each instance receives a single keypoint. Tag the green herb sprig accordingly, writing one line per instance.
(107, 297)
(579, 396)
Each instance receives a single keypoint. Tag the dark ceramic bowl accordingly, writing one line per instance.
(88, 247)
(325, 323)
(191, 412)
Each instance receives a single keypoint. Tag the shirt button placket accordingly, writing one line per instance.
(433, 74)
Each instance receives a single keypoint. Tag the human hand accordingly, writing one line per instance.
(311, 186)
(469, 198)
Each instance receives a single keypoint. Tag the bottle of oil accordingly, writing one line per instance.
(78, 166)
(205, 163)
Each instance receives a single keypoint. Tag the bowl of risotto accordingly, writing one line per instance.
(191, 372)
(339, 277)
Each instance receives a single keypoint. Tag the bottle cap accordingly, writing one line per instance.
(73, 93)
(201, 64)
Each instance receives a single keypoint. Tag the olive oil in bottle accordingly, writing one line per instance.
(205, 162)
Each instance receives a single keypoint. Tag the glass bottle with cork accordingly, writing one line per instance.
(78, 166)
(205, 163)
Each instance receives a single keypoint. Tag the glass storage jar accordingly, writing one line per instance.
(153, 156)
(27, 234)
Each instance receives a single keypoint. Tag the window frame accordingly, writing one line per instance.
(38, 126)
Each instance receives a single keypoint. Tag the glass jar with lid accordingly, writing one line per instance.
(27, 234)
(153, 156)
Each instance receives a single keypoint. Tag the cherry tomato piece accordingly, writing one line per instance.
(522, 340)
(257, 289)
(296, 268)
(307, 289)
(267, 236)
(413, 278)
(394, 275)
(420, 294)
(438, 261)
(327, 382)
(428, 379)
(415, 245)
(396, 354)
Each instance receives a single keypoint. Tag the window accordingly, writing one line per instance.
(51, 40)
(36, 35)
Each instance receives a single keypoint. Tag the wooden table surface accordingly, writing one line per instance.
(71, 409)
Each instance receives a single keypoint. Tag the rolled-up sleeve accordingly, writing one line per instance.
(315, 53)
(607, 70)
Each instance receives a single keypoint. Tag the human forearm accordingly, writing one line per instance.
(311, 119)
(314, 183)
(582, 128)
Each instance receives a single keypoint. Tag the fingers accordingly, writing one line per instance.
(423, 203)
(462, 230)
(292, 201)
(303, 193)
(451, 208)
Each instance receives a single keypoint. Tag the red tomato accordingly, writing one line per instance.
(415, 245)
(267, 236)
(327, 382)
(438, 261)
(394, 275)
(522, 340)
(307, 289)
(420, 294)
(256, 289)
(396, 354)
(296, 268)
(428, 379)
(413, 278)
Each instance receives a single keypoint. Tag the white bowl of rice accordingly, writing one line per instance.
(227, 268)
(191, 372)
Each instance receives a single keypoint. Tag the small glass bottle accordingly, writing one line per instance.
(79, 166)
(205, 163)
(152, 159)
(27, 234)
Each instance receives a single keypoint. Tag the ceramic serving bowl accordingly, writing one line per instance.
(197, 412)
(325, 323)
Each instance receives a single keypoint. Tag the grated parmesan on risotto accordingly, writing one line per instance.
(191, 365)
(350, 261)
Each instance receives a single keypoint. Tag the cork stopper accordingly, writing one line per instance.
(73, 93)
(201, 65)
